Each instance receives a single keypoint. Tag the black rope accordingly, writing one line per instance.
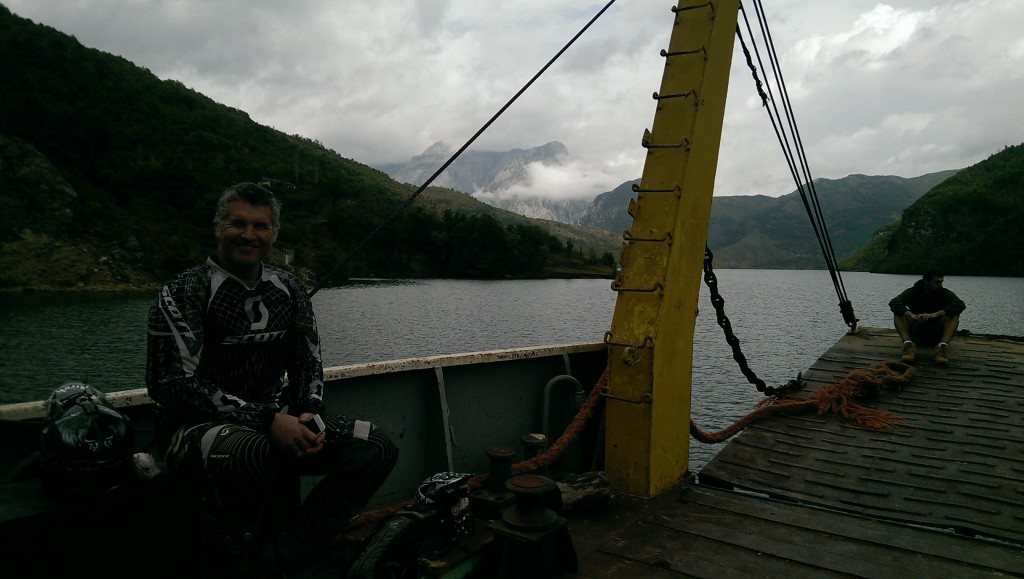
(405, 204)
(805, 184)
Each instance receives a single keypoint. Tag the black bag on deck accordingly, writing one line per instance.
(87, 445)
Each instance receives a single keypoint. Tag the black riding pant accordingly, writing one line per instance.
(234, 470)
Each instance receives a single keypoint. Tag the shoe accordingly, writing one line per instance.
(942, 354)
(909, 352)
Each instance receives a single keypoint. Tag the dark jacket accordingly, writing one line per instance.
(218, 350)
(920, 300)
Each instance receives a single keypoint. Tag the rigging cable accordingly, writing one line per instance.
(405, 204)
(805, 184)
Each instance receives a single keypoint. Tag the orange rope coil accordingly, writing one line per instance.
(843, 398)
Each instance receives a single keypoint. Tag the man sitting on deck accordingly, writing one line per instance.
(927, 314)
(222, 337)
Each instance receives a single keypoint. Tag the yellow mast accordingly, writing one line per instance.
(650, 342)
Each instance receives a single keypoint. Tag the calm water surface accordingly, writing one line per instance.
(784, 320)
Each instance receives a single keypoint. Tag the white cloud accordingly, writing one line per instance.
(570, 180)
(903, 87)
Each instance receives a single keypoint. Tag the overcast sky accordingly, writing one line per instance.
(904, 87)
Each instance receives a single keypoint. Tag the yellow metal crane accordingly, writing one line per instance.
(650, 341)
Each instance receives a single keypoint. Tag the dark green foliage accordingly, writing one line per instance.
(765, 232)
(147, 159)
(970, 224)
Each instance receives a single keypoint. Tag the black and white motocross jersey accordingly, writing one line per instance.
(219, 350)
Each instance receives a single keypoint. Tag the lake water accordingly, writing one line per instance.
(784, 320)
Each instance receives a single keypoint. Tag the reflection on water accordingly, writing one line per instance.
(424, 318)
(49, 338)
(784, 320)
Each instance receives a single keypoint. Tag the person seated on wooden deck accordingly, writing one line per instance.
(222, 336)
(927, 314)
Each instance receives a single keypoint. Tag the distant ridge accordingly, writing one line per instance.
(970, 224)
(106, 175)
(744, 232)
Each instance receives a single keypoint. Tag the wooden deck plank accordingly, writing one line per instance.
(601, 564)
(711, 532)
(941, 494)
(955, 461)
(848, 543)
(694, 552)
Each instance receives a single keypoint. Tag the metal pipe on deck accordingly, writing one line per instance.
(572, 459)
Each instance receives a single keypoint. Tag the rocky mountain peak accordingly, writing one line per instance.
(492, 175)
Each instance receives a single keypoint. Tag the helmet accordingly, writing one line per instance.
(445, 487)
(450, 491)
(87, 446)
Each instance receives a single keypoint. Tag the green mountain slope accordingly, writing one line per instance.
(102, 156)
(108, 176)
(756, 231)
(970, 224)
(777, 234)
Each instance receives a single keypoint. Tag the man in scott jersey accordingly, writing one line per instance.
(222, 337)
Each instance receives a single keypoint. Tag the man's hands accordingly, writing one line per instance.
(290, 433)
(923, 317)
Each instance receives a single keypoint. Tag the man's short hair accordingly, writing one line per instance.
(932, 273)
(252, 194)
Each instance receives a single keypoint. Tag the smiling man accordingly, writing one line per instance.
(246, 233)
(223, 337)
